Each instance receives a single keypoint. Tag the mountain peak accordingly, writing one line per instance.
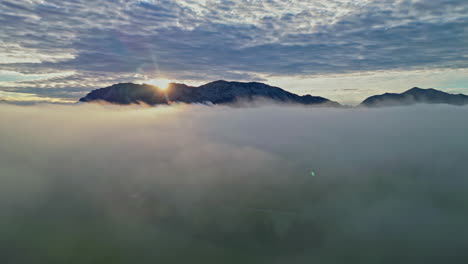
(217, 92)
(422, 91)
(218, 82)
(415, 89)
(415, 95)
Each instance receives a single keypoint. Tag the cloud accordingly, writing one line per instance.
(241, 40)
(10, 76)
(204, 184)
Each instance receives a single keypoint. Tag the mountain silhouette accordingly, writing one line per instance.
(415, 96)
(218, 92)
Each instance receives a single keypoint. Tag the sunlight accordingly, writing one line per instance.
(160, 83)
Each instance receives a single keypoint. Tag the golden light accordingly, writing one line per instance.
(160, 83)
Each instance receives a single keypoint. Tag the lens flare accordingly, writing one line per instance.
(160, 83)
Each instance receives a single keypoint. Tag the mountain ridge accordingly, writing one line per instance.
(415, 95)
(226, 92)
(217, 92)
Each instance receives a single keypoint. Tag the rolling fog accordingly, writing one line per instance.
(199, 184)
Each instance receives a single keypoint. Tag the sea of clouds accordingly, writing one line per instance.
(213, 184)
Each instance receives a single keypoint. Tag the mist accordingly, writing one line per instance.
(214, 184)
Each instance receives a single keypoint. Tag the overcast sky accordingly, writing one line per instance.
(344, 50)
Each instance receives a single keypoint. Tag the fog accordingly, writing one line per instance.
(213, 184)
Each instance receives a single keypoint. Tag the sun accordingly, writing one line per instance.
(160, 83)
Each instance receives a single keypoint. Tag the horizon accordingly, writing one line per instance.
(163, 85)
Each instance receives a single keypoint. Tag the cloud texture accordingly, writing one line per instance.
(90, 183)
(106, 41)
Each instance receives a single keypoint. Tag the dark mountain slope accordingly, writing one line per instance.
(218, 92)
(415, 96)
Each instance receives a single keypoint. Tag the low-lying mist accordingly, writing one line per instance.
(200, 184)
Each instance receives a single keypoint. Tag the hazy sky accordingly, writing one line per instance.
(344, 50)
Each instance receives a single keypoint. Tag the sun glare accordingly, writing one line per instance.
(160, 83)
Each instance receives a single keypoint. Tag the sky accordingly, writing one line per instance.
(344, 50)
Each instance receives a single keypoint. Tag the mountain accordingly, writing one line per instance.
(415, 96)
(218, 92)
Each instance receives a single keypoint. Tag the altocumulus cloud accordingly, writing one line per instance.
(242, 40)
(90, 183)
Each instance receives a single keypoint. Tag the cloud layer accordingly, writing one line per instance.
(223, 39)
(94, 183)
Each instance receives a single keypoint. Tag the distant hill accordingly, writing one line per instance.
(218, 92)
(415, 96)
